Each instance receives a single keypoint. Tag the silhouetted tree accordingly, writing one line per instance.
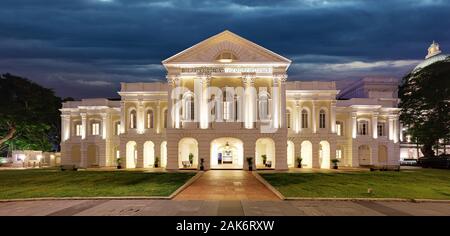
(425, 104)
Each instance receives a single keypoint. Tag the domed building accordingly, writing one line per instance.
(434, 55)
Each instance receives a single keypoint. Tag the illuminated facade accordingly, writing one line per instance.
(227, 99)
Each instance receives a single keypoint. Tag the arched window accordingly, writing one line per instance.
(149, 119)
(288, 118)
(165, 118)
(133, 119)
(322, 120)
(363, 127)
(339, 128)
(304, 119)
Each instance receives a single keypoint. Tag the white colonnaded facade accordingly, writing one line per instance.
(227, 99)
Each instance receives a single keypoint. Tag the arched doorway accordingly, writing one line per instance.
(149, 154)
(324, 155)
(131, 154)
(291, 154)
(188, 153)
(265, 146)
(227, 153)
(163, 154)
(364, 155)
(75, 154)
(92, 155)
(382, 155)
(306, 154)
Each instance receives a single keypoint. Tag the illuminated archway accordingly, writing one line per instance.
(131, 154)
(186, 147)
(227, 153)
(163, 157)
(291, 154)
(149, 154)
(324, 155)
(265, 146)
(306, 154)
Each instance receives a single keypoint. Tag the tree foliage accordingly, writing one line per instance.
(29, 114)
(425, 104)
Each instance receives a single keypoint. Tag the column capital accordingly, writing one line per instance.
(282, 77)
(173, 80)
(248, 79)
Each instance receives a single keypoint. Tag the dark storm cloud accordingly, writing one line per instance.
(85, 48)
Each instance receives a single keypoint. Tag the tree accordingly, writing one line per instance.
(425, 104)
(29, 114)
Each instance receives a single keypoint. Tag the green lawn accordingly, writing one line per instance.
(55, 183)
(409, 184)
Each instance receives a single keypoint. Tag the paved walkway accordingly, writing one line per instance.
(227, 185)
(220, 208)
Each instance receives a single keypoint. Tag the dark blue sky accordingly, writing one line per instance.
(85, 48)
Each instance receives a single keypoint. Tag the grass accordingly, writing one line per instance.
(409, 184)
(55, 183)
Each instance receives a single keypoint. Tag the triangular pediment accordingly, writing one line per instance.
(244, 50)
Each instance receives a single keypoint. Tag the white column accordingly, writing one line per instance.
(105, 125)
(396, 133)
(157, 115)
(375, 125)
(300, 120)
(313, 116)
(123, 116)
(140, 117)
(354, 124)
(83, 125)
(400, 132)
(391, 127)
(297, 117)
(249, 106)
(333, 117)
(204, 111)
(65, 127)
(173, 81)
(282, 90)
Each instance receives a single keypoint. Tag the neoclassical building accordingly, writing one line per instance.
(227, 99)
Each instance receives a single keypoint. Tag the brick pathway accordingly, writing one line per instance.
(227, 185)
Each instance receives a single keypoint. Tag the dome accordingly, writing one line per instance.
(434, 55)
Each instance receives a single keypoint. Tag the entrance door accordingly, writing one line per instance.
(227, 153)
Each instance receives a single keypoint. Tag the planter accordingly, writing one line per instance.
(299, 166)
(119, 167)
(250, 168)
(335, 167)
(156, 165)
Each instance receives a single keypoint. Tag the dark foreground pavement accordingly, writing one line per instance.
(221, 208)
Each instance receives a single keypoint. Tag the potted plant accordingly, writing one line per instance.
(299, 162)
(119, 163)
(264, 158)
(335, 161)
(191, 158)
(202, 167)
(156, 162)
(250, 163)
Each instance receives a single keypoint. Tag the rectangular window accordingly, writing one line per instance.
(78, 129)
(380, 129)
(338, 153)
(362, 128)
(95, 128)
(339, 129)
(322, 120)
(304, 120)
(117, 128)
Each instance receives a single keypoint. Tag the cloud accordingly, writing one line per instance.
(107, 42)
